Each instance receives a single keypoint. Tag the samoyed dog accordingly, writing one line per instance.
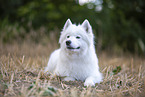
(76, 59)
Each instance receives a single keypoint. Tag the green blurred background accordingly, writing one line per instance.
(118, 25)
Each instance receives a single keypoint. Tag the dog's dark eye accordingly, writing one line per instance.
(68, 36)
(78, 37)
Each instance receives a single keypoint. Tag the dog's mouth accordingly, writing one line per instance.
(72, 48)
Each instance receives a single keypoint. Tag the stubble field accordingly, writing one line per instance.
(21, 75)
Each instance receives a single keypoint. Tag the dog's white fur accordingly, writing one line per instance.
(78, 60)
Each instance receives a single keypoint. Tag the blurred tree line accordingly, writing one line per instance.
(117, 24)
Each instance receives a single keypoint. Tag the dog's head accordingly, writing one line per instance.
(76, 39)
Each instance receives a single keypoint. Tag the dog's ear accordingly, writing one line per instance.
(86, 25)
(67, 23)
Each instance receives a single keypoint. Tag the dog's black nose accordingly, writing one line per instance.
(68, 42)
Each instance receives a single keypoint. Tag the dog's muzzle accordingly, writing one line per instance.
(68, 44)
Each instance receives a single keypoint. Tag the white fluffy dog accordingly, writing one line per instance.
(76, 59)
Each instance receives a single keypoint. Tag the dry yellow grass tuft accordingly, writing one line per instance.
(21, 74)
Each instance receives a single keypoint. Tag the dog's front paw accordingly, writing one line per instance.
(89, 83)
(69, 79)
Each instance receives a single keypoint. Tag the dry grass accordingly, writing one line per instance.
(21, 74)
